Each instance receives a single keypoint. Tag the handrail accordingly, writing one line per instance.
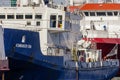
(81, 65)
(89, 33)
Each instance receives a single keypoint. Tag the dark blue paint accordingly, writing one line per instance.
(30, 64)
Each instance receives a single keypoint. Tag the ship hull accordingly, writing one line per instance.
(27, 62)
(23, 70)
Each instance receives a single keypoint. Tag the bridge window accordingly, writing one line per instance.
(60, 21)
(2, 16)
(28, 16)
(101, 14)
(38, 23)
(19, 16)
(10, 16)
(28, 23)
(86, 13)
(115, 13)
(109, 14)
(92, 13)
(38, 16)
(53, 21)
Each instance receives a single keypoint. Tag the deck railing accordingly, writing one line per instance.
(100, 34)
(106, 63)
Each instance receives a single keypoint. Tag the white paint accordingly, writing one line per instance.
(2, 49)
(44, 28)
(111, 22)
(23, 45)
(35, 1)
(24, 2)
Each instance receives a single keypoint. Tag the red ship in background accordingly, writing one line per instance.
(100, 24)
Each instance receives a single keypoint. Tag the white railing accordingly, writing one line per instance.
(106, 63)
(100, 34)
(54, 51)
(22, 27)
(32, 26)
(114, 35)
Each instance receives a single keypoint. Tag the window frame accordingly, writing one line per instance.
(53, 23)
(60, 21)
(92, 13)
(28, 23)
(39, 16)
(37, 22)
(115, 13)
(101, 13)
(2, 17)
(10, 16)
(28, 16)
(19, 16)
(109, 13)
(86, 13)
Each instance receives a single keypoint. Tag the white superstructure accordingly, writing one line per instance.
(79, 2)
(99, 20)
(53, 24)
(101, 23)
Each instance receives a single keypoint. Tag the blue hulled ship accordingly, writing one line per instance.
(41, 42)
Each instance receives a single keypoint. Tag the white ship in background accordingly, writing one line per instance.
(80, 2)
(100, 23)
